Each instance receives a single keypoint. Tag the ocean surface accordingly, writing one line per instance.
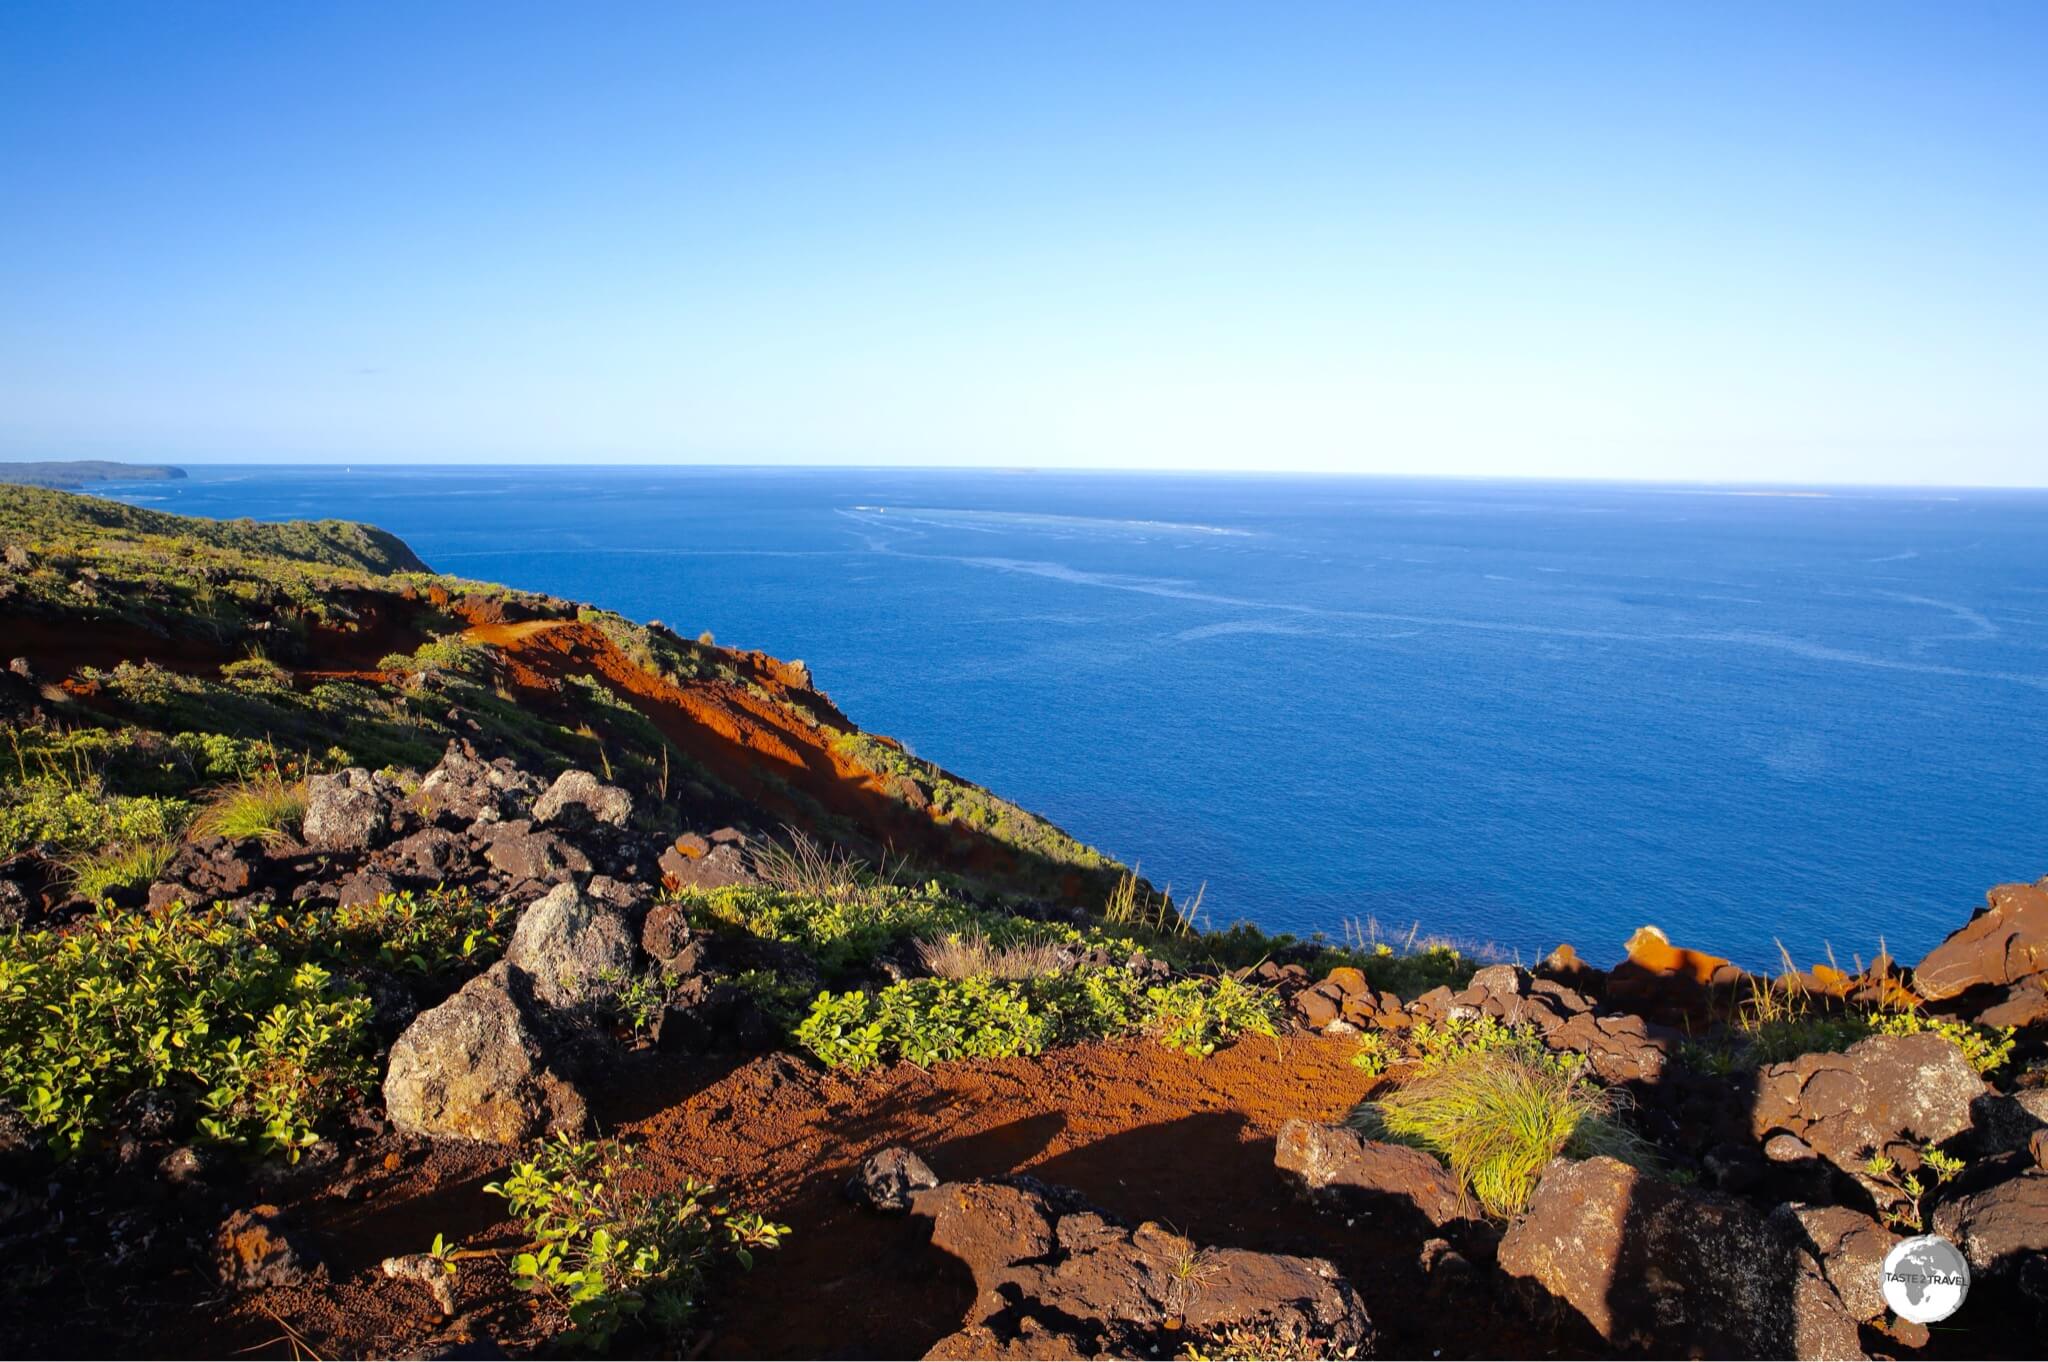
(1511, 712)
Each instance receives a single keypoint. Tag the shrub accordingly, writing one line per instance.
(192, 1004)
(1195, 1016)
(77, 816)
(1496, 1118)
(929, 1020)
(1373, 1055)
(266, 807)
(423, 933)
(608, 1257)
(1437, 1044)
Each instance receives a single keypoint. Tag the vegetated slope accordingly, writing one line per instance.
(41, 515)
(71, 473)
(180, 645)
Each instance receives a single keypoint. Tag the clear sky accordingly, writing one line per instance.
(1749, 241)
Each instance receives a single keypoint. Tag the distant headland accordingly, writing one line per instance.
(66, 474)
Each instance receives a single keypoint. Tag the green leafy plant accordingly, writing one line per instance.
(430, 932)
(1195, 1016)
(129, 865)
(609, 1257)
(191, 1004)
(1374, 1054)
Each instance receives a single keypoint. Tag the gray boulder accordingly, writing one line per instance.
(473, 1069)
(463, 790)
(350, 811)
(578, 796)
(574, 950)
(888, 1177)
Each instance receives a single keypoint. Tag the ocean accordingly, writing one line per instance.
(1515, 713)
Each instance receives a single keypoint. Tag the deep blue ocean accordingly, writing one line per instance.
(1514, 712)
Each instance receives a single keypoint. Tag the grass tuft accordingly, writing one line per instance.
(971, 955)
(1496, 1118)
(266, 807)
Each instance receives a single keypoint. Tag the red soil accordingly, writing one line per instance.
(1142, 1131)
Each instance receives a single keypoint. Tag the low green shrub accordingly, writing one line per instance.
(431, 932)
(193, 1004)
(78, 817)
(926, 1021)
(609, 1257)
(1773, 1040)
(1496, 1118)
(1437, 1044)
(127, 865)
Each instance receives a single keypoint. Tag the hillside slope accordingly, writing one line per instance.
(158, 653)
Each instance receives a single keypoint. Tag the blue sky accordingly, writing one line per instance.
(1782, 242)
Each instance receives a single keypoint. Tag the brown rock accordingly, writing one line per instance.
(1673, 1272)
(1339, 1165)
(724, 864)
(2024, 1004)
(2002, 1227)
(1850, 1247)
(473, 1069)
(1887, 1094)
(2001, 944)
(1057, 1279)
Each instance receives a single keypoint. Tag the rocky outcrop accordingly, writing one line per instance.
(1656, 1267)
(1339, 1166)
(1055, 1277)
(692, 862)
(2005, 942)
(574, 950)
(578, 797)
(473, 1069)
(1888, 1095)
(464, 790)
(349, 811)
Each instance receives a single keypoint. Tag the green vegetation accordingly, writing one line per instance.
(125, 866)
(608, 1257)
(267, 807)
(190, 1004)
(1496, 1118)
(926, 1021)
(1903, 1195)
(251, 1027)
(1771, 1032)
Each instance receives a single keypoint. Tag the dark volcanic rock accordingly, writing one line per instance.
(1054, 1277)
(1850, 1247)
(574, 950)
(429, 854)
(1673, 1272)
(888, 1178)
(2002, 1228)
(473, 1069)
(722, 865)
(2005, 942)
(463, 790)
(1339, 1165)
(1888, 1094)
(524, 854)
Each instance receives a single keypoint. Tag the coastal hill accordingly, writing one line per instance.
(395, 964)
(75, 473)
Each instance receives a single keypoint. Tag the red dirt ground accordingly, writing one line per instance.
(1143, 1131)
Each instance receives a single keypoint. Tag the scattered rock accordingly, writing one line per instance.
(473, 1069)
(363, 888)
(1340, 1166)
(1622, 1048)
(1056, 1278)
(525, 854)
(431, 854)
(463, 790)
(722, 865)
(888, 1177)
(575, 951)
(1657, 1267)
(2024, 1004)
(665, 935)
(578, 796)
(350, 811)
(256, 1248)
(2004, 942)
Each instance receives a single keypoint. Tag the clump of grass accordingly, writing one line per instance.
(266, 807)
(970, 955)
(130, 865)
(1496, 1118)
(803, 865)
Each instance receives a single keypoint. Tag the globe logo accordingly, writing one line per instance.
(1925, 1279)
